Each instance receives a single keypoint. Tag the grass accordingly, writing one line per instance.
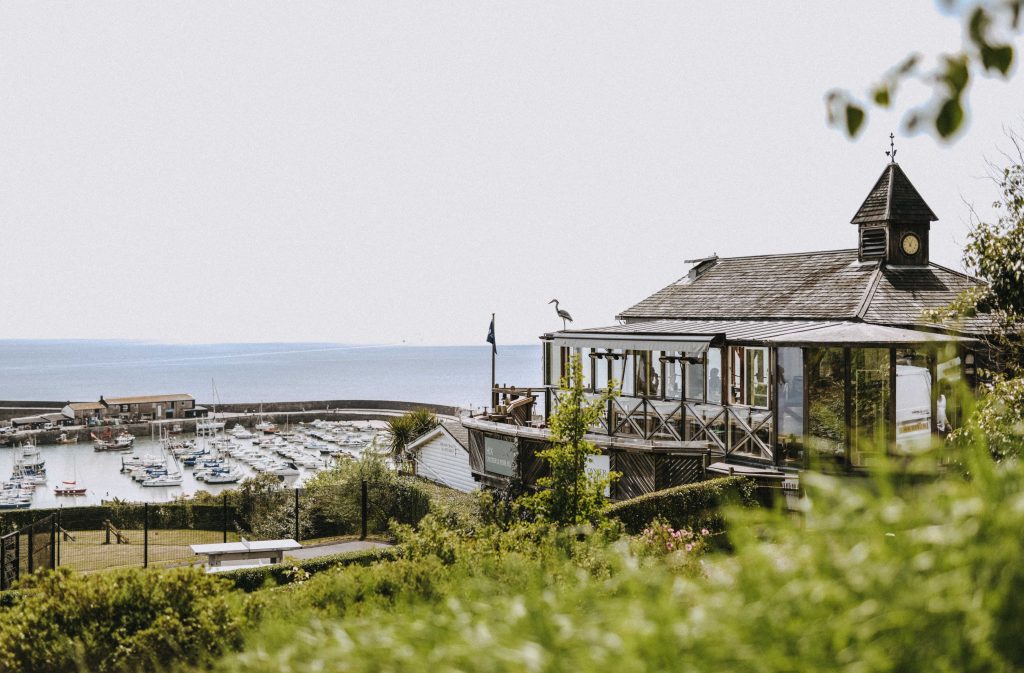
(88, 553)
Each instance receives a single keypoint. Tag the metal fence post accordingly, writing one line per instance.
(145, 535)
(3, 564)
(297, 515)
(53, 541)
(225, 498)
(17, 556)
(363, 510)
(31, 547)
(60, 527)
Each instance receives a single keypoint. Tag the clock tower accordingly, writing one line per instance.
(893, 221)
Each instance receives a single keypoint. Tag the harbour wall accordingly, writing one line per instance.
(247, 415)
(17, 408)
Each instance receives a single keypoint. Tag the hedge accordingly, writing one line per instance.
(693, 506)
(251, 579)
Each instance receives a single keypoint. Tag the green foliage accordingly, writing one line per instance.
(694, 506)
(571, 494)
(871, 578)
(995, 250)
(998, 421)
(407, 427)
(119, 621)
(680, 547)
(988, 28)
(251, 579)
(335, 495)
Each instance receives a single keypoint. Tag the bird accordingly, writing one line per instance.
(562, 313)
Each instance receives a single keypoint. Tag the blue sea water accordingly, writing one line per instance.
(58, 370)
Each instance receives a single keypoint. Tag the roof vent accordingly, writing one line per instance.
(699, 266)
(872, 243)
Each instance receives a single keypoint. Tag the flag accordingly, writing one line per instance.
(490, 337)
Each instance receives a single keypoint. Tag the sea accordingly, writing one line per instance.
(56, 371)
(82, 371)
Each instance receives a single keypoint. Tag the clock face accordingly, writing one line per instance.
(910, 244)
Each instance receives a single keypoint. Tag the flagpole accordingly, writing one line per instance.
(494, 350)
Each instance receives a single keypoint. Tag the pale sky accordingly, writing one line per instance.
(378, 172)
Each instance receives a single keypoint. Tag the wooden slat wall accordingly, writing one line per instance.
(637, 474)
(672, 471)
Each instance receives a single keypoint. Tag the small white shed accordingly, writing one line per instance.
(442, 456)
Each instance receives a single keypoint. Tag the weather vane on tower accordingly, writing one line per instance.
(892, 149)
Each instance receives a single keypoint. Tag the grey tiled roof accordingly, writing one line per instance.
(807, 286)
(826, 285)
(893, 198)
(904, 293)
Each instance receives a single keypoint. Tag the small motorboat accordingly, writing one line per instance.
(68, 488)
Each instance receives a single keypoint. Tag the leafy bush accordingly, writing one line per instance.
(251, 579)
(119, 621)
(694, 506)
(872, 578)
(336, 496)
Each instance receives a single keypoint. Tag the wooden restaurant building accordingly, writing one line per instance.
(763, 365)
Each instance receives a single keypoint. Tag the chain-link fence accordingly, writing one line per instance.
(28, 549)
(116, 535)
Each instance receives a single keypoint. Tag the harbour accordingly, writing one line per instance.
(182, 465)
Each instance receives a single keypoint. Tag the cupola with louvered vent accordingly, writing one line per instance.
(894, 221)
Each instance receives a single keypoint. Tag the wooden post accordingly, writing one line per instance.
(145, 535)
(225, 500)
(296, 515)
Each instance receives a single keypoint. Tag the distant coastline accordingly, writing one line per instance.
(82, 370)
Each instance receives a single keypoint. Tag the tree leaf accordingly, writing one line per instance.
(854, 119)
(997, 58)
(881, 95)
(950, 116)
(956, 75)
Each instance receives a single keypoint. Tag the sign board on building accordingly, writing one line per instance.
(499, 456)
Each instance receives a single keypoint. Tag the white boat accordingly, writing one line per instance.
(164, 480)
(123, 442)
(224, 477)
(208, 427)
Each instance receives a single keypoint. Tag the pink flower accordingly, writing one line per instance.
(670, 546)
(689, 547)
(704, 531)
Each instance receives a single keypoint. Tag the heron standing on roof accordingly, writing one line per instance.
(562, 313)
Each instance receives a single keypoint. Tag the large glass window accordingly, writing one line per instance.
(714, 379)
(869, 390)
(672, 373)
(621, 369)
(748, 376)
(644, 377)
(584, 357)
(790, 395)
(600, 370)
(826, 413)
(950, 389)
(695, 380)
(913, 401)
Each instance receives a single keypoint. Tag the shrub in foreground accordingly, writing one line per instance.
(131, 620)
(251, 579)
(872, 578)
(695, 506)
